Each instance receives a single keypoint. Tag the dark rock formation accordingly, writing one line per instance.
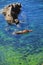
(11, 13)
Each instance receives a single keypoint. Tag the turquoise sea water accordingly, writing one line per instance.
(25, 49)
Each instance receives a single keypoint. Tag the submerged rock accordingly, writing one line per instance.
(11, 13)
(22, 32)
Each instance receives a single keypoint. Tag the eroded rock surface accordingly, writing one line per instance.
(11, 13)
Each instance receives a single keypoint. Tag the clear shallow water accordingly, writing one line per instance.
(26, 49)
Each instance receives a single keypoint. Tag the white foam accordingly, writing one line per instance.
(1, 10)
(13, 33)
(18, 26)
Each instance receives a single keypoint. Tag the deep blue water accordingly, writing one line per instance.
(31, 17)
